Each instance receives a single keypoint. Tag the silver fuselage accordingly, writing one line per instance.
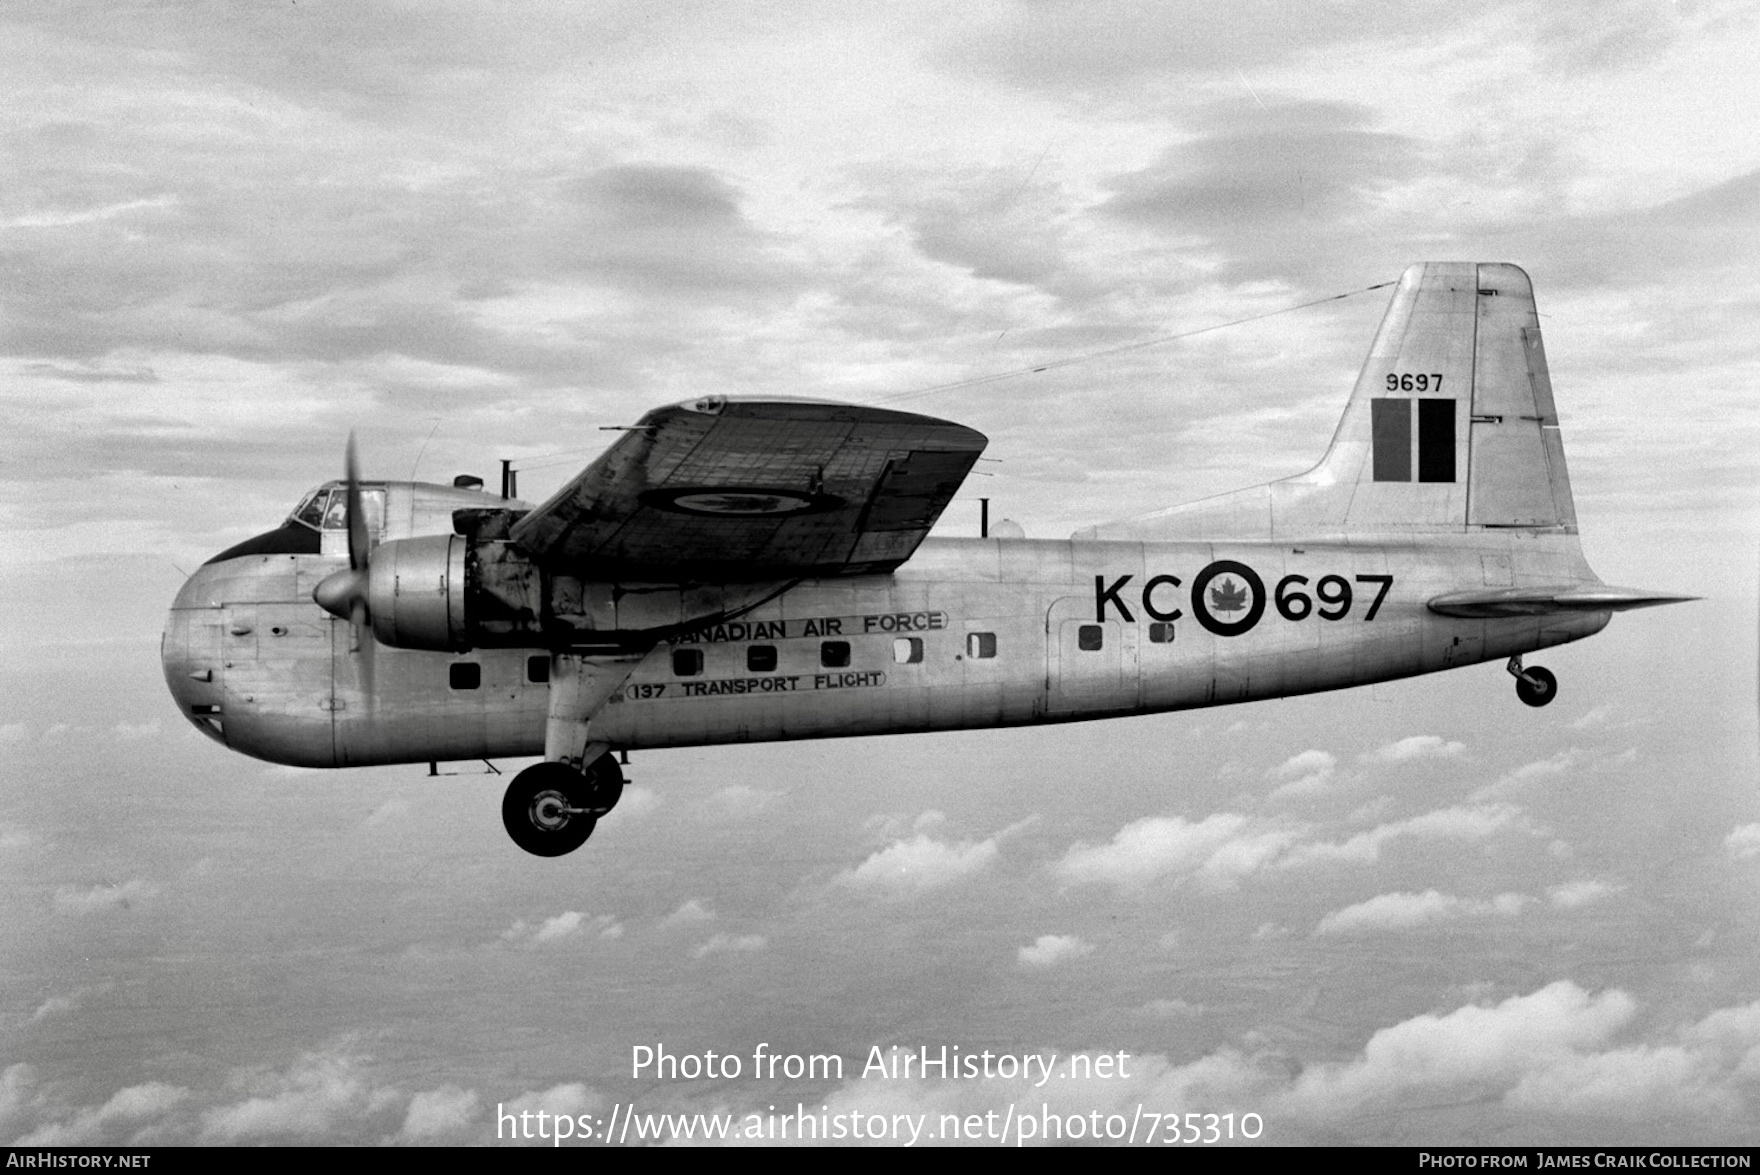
(1076, 630)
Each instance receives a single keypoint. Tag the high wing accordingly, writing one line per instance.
(1489, 603)
(732, 490)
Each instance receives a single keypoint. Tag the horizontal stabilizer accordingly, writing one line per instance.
(1484, 603)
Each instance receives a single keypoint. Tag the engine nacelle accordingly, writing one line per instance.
(453, 593)
(416, 593)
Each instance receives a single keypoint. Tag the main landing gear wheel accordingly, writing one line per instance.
(550, 808)
(1536, 686)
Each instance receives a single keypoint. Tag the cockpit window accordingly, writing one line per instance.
(311, 509)
(326, 508)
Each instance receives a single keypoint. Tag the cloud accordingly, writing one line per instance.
(729, 943)
(315, 1097)
(741, 799)
(1308, 773)
(1216, 851)
(125, 1111)
(1743, 842)
(70, 899)
(691, 913)
(1409, 911)
(435, 1114)
(1573, 895)
(1051, 949)
(569, 924)
(1493, 1048)
(921, 863)
(1464, 823)
(1538, 769)
(1418, 746)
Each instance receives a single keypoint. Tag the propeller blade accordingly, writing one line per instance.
(357, 519)
(364, 644)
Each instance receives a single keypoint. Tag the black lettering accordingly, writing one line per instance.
(1102, 593)
(1149, 602)
(1386, 581)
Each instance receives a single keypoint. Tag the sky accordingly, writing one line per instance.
(1418, 913)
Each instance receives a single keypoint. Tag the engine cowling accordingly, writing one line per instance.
(453, 593)
(416, 593)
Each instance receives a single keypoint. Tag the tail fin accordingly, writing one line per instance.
(1451, 428)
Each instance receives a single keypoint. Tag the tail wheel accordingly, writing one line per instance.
(549, 809)
(1536, 686)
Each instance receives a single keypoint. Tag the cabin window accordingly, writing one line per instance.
(980, 646)
(907, 650)
(1161, 633)
(1089, 638)
(834, 654)
(465, 674)
(538, 670)
(687, 662)
(761, 658)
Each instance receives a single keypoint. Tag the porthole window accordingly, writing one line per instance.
(465, 674)
(1160, 633)
(834, 654)
(1090, 637)
(980, 646)
(537, 670)
(761, 658)
(907, 650)
(687, 662)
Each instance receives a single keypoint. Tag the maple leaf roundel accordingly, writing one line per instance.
(1228, 597)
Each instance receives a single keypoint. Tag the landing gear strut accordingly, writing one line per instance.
(550, 808)
(1535, 686)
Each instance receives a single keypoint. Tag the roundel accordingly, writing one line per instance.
(1228, 597)
(738, 501)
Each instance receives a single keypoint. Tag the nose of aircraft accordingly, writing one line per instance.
(189, 654)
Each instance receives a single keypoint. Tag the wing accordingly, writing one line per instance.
(747, 490)
(1486, 603)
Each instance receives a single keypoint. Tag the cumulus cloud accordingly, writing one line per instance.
(729, 944)
(921, 863)
(570, 924)
(1407, 911)
(1216, 851)
(1488, 1047)
(1573, 895)
(72, 899)
(1743, 842)
(1306, 774)
(691, 913)
(741, 799)
(1463, 823)
(124, 1113)
(436, 1114)
(1539, 769)
(1051, 949)
(1418, 746)
(316, 1096)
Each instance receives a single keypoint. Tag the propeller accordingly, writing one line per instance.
(344, 593)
